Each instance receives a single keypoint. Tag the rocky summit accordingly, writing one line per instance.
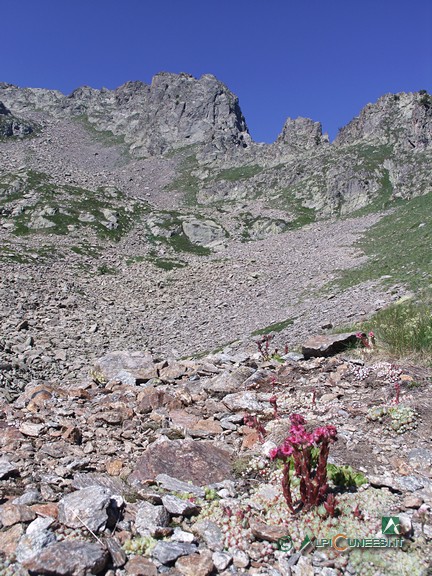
(173, 397)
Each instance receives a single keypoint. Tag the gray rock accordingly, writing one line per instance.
(242, 401)
(149, 518)
(10, 126)
(200, 462)
(86, 507)
(211, 533)
(114, 485)
(28, 498)
(69, 558)
(180, 535)
(328, 345)
(221, 560)
(240, 559)
(8, 469)
(179, 507)
(168, 552)
(138, 366)
(37, 537)
(175, 485)
(203, 232)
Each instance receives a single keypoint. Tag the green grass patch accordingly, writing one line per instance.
(85, 249)
(398, 247)
(276, 327)
(104, 269)
(289, 199)
(405, 328)
(239, 173)
(168, 263)
(186, 181)
(65, 206)
(135, 260)
(105, 137)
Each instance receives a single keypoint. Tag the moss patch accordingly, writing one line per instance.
(276, 327)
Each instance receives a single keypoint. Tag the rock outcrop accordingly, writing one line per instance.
(12, 126)
(174, 111)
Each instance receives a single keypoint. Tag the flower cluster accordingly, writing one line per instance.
(253, 422)
(368, 341)
(296, 451)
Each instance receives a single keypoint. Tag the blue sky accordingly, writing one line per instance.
(323, 59)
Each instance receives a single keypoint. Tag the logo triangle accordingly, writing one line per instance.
(306, 542)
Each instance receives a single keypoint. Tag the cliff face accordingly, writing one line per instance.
(174, 111)
(402, 120)
(385, 152)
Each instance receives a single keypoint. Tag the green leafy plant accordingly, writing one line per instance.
(345, 477)
(142, 545)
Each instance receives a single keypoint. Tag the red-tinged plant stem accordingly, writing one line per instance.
(286, 486)
(398, 389)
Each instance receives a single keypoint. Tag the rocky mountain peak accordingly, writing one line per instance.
(403, 119)
(174, 111)
(302, 134)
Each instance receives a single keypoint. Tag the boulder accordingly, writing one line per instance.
(328, 344)
(201, 463)
(127, 367)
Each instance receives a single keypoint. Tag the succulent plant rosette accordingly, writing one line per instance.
(310, 466)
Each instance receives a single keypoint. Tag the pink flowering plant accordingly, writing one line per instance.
(367, 341)
(306, 454)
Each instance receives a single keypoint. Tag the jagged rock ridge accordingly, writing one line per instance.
(173, 111)
(383, 153)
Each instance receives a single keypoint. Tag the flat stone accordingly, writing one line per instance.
(208, 425)
(267, 532)
(229, 381)
(410, 483)
(11, 514)
(175, 485)
(31, 429)
(28, 498)
(134, 367)
(149, 518)
(328, 345)
(182, 419)
(168, 552)
(199, 462)
(195, 564)
(174, 371)
(151, 399)
(9, 540)
(179, 507)
(114, 485)
(180, 535)
(86, 507)
(293, 356)
(140, 566)
(411, 501)
(69, 558)
(242, 401)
